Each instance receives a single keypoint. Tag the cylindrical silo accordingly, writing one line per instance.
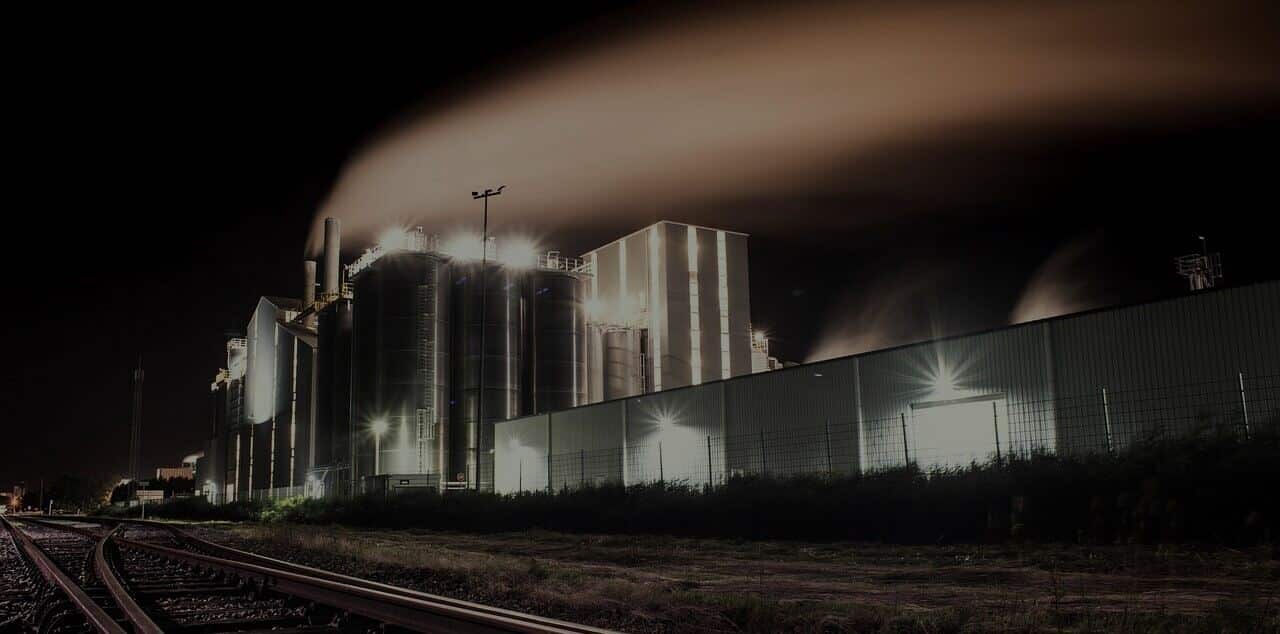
(557, 350)
(400, 359)
(621, 362)
(471, 444)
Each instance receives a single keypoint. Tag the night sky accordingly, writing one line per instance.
(163, 183)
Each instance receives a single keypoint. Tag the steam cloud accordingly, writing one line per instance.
(1060, 286)
(684, 117)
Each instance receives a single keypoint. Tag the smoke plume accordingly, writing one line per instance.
(787, 100)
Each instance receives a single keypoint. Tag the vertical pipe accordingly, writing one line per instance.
(905, 455)
(995, 424)
(710, 480)
(520, 478)
(826, 428)
(582, 468)
(764, 460)
(332, 247)
(1106, 415)
(1244, 407)
(484, 253)
(549, 446)
(308, 283)
(661, 476)
(626, 460)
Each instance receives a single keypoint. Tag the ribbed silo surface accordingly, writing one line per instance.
(557, 341)
(401, 368)
(333, 384)
(503, 330)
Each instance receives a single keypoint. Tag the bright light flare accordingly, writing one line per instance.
(518, 252)
(394, 239)
(463, 245)
(379, 426)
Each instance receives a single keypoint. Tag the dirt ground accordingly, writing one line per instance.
(643, 583)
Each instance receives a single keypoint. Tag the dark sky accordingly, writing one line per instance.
(164, 182)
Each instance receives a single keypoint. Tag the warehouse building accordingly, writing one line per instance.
(1090, 382)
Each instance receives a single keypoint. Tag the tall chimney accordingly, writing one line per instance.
(309, 288)
(332, 239)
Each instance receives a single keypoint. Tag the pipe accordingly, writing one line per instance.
(332, 242)
(309, 288)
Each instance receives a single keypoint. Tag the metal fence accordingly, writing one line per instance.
(960, 433)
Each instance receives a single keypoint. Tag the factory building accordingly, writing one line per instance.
(442, 364)
(671, 307)
(1090, 382)
(393, 376)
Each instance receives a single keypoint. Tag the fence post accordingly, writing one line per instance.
(1244, 407)
(1106, 414)
(906, 456)
(710, 478)
(520, 479)
(661, 476)
(995, 424)
(764, 461)
(826, 427)
(582, 467)
(550, 446)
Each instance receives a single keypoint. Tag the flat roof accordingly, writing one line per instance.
(673, 222)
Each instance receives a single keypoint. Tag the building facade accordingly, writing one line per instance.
(673, 301)
(1091, 382)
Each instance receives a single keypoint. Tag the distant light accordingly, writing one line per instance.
(518, 252)
(379, 426)
(464, 245)
(818, 374)
(394, 239)
(666, 420)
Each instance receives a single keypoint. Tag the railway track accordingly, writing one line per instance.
(146, 577)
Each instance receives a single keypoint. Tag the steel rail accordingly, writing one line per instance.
(141, 621)
(93, 613)
(394, 608)
(533, 623)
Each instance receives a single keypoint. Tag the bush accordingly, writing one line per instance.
(1200, 489)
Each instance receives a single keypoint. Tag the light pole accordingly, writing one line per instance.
(379, 427)
(484, 253)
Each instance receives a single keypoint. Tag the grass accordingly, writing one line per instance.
(658, 583)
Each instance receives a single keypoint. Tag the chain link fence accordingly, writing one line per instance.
(947, 435)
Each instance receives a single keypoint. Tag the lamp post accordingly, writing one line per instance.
(379, 427)
(484, 253)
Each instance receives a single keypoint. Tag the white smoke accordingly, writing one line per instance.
(771, 101)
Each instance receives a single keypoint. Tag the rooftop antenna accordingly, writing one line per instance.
(1202, 269)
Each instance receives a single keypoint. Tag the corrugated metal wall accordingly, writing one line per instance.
(1168, 366)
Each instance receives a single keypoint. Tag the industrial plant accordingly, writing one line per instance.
(461, 362)
(393, 375)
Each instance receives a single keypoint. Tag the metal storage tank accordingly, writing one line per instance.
(400, 378)
(621, 357)
(333, 394)
(470, 442)
(557, 341)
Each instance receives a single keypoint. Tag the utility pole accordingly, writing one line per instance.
(484, 253)
(135, 423)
